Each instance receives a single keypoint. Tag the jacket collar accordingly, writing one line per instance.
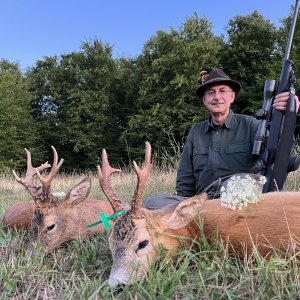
(227, 124)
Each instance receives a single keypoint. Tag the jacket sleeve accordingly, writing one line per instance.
(185, 181)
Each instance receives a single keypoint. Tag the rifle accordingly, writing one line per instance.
(275, 134)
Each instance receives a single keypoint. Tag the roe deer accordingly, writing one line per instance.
(55, 219)
(273, 223)
(19, 214)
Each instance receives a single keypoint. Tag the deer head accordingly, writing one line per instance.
(133, 241)
(122, 242)
(19, 214)
(58, 219)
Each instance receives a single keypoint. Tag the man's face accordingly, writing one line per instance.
(218, 98)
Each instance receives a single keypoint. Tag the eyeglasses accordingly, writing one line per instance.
(212, 93)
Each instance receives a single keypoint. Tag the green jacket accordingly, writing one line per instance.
(211, 153)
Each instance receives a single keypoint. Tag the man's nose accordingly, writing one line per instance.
(218, 95)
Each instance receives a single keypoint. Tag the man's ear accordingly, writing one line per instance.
(185, 212)
(78, 193)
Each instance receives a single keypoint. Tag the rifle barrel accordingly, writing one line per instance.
(292, 29)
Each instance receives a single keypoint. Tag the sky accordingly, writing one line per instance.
(33, 29)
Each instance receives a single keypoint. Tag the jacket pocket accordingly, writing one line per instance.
(200, 157)
(239, 157)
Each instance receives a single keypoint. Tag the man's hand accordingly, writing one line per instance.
(280, 101)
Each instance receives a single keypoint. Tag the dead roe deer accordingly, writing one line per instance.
(273, 223)
(55, 219)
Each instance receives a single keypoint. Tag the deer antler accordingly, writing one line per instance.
(104, 175)
(46, 181)
(28, 180)
(142, 175)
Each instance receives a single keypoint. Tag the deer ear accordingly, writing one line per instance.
(185, 211)
(79, 192)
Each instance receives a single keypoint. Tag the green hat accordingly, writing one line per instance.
(216, 76)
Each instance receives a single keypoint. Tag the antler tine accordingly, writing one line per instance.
(29, 164)
(28, 180)
(104, 175)
(30, 169)
(142, 175)
(46, 181)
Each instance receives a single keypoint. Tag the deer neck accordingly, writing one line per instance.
(212, 216)
(169, 238)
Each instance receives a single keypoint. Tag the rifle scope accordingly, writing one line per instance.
(263, 115)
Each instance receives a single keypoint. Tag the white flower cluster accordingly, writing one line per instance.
(240, 191)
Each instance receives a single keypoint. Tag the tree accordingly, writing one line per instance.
(72, 97)
(17, 127)
(283, 34)
(249, 57)
(170, 65)
(125, 89)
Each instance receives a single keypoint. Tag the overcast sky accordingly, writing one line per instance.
(32, 29)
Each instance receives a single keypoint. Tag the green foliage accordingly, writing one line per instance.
(248, 56)
(72, 102)
(124, 91)
(17, 126)
(170, 65)
(283, 34)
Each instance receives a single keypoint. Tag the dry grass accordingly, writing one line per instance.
(122, 183)
(79, 269)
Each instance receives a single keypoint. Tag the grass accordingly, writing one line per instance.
(80, 268)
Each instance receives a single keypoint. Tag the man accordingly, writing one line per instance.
(218, 147)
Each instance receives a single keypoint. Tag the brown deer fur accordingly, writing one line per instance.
(271, 225)
(52, 219)
(69, 216)
(18, 215)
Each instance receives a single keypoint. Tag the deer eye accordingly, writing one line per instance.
(142, 245)
(51, 227)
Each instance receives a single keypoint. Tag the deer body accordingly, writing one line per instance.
(19, 215)
(272, 224)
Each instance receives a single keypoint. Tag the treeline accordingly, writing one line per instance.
(86, 100)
